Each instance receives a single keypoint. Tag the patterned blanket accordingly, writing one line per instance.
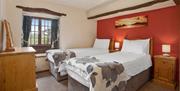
(59, 57)
(103, 76)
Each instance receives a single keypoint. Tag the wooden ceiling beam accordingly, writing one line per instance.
(40, 10)
(129, 8)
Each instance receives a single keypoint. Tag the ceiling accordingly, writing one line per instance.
(93, 4)
(82, 4)
(95, 7)
(119, 5)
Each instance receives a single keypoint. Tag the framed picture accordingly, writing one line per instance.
(138, 21)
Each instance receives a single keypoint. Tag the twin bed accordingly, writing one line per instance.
(120, 71)
(56, 56)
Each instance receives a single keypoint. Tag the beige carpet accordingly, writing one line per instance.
(47, 83)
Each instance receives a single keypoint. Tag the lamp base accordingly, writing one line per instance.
(166, 55)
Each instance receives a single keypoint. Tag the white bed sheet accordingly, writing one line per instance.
(80, 52)
(133, 64)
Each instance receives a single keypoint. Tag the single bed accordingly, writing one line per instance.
(79, 52)
(55, 56)
(137, 66)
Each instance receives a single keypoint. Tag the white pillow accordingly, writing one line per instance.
(136, 46)
(101, 43)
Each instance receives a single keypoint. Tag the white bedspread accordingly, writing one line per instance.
(80, 52)
(133, 64)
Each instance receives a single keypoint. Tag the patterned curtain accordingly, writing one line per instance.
(55, 34)
(27, 20)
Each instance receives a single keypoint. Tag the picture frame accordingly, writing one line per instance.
(132, 22)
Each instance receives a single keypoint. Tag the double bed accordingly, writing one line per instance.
(120, 71)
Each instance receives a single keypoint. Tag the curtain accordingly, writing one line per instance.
(27, 20)
(55, 34)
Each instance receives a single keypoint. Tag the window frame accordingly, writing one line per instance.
(40, 33)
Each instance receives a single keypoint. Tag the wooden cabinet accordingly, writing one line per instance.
(164, 71)
(17, 70)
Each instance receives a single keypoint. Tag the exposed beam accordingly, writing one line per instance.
(40, 10)
(129, 8)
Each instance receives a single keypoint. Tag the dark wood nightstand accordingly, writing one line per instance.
(111, 51)
(164, 70)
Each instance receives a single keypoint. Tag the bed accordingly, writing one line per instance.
(131, 67)
(57, 56)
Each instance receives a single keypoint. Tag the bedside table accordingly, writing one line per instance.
(164, 70)
(111, 51)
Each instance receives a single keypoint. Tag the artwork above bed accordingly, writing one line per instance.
(138, 21)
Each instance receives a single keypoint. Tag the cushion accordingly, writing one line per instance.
(101, 43)
(59, 57)
(136, 46)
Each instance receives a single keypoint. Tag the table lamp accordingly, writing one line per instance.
(166, 49)
(117, 45)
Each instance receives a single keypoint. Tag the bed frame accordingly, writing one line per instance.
(54, 72)
(132, 84)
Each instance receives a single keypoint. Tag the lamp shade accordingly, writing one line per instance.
(117, 45)
(166, 48)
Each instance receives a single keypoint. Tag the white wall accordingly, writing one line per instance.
(1, 8)
(75, 29)
(41, 64)
(1, 11)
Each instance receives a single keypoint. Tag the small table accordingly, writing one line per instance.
(164, 70)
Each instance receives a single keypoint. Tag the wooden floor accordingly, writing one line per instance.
(47, 83)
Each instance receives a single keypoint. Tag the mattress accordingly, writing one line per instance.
(80, 52)
(133, 64)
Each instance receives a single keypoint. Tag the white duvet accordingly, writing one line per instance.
(132, 62)
(80, 52)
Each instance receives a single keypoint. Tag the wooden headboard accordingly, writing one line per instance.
(111, 44)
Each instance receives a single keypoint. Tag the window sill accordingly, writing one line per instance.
(40, 55)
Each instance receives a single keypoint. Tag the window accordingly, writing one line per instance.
(40, 32)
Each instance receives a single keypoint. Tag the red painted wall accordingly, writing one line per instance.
(163, 27)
